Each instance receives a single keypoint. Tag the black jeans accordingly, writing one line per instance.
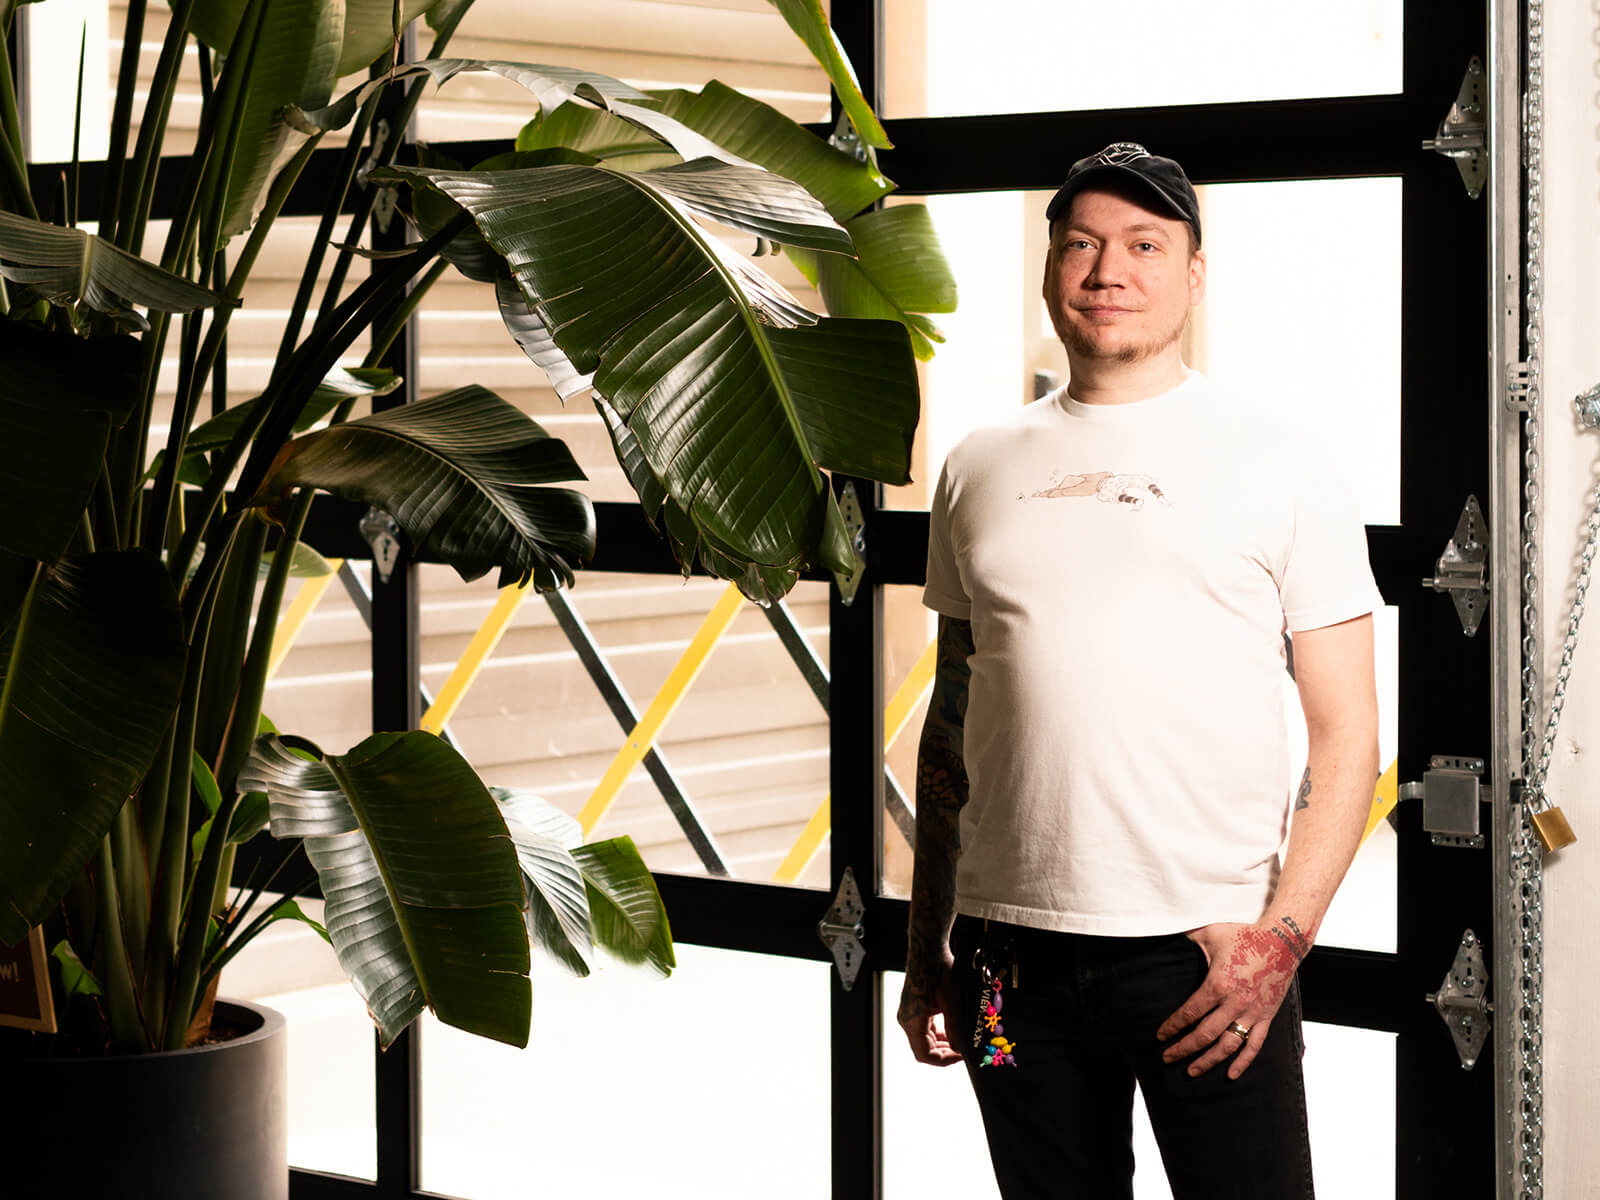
(1081, 1018)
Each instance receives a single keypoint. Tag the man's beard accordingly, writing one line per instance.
(1076, 339)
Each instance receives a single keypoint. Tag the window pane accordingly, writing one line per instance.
(331, 1071)
(746, 744)
(1301, 322)
(1043, 56)
(711, 1084)
(648, 43)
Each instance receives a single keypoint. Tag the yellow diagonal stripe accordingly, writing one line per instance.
(1384, 797)
(304, 603)
(909, 694)
(473, 657)
(895, 715)
(643, 735)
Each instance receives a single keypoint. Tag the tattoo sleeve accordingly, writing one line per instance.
(941, 794)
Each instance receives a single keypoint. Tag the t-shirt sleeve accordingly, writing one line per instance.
(945, 593)
(1327, 576)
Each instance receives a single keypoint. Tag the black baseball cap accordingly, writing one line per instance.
(1161, 178)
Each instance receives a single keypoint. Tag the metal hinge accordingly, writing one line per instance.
(1450, 792)
(382, 533)
(842, 932)
(1461, 133)
(856, 525)
(1463, 1000)
(1462, 569)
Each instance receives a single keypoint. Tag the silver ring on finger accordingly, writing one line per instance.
(1242, 1032)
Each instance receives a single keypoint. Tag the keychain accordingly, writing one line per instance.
(989, 1032)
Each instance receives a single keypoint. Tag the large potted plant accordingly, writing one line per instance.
(142, 569)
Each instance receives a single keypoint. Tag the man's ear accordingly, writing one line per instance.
(1197, 277)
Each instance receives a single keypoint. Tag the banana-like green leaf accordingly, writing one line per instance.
(295, 56)
(625, 910)
(338, 386)
(558, 903)
(60, 397)
(807, 19)
(529, 332)
(76, 979)
(424, 894)
(899, 273)
(597, 133)
(91, 667)
(69, 266)
(760, 134)
(732, 412)
(753, 131)
(457, 472)
(367, 27)
(551, 87)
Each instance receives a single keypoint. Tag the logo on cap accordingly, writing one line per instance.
(1121, 153)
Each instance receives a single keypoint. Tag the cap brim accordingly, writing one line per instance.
(1063, 197)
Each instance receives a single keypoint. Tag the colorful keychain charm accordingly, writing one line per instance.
(989, 1033)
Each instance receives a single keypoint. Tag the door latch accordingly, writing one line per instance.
(1461, 133)
(842, 932)
(1462, 569)
(1450, 790)
(1462, 1000)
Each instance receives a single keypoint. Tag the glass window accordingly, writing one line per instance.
(1043, 56)
(746, 744)
(331, 1071)
(647, 43)
(715, 1082)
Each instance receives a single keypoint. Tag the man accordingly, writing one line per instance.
(1103, 778)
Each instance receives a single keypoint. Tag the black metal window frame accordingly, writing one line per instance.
(1442, 378)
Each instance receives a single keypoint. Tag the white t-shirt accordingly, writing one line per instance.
(1129, 571)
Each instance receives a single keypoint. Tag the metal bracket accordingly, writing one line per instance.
(1449, 791)
(856, 523)
(846, 140)
(1588, 406)
(386, 203)
(1519, 379)
(841, 930)
(1461, 133)
(1463, 1002)
(1463, 568)
(382, 533)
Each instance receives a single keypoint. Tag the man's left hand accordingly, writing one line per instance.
(1251, 969)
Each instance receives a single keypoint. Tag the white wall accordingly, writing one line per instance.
(1572, 461)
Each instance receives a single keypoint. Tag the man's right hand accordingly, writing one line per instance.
(925, 1014)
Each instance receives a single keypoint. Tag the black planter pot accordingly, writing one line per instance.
(209, 1123)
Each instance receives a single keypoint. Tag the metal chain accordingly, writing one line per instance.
(1526, 858)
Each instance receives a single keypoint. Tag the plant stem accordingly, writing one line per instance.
(116, 981)
(135, 208)
(253, 680)
(188, 398)
(16, 174)
(133, 882)
(383, 337)
(121, 118)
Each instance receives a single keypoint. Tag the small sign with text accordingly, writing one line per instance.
(25, 985)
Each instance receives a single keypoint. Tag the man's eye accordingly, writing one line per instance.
(1147, 247)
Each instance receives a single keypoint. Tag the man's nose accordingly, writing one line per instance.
(1107, 270)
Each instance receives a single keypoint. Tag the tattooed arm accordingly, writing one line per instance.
(941, 793)
(1253, 965)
